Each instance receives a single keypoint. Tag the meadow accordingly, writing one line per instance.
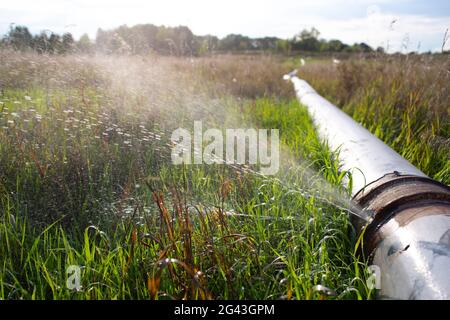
(86, 177)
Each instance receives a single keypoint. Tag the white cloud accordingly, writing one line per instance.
(395, 32)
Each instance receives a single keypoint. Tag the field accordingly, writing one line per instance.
(86, 176)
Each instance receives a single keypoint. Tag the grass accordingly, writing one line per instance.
(402, 100)
(86, 179)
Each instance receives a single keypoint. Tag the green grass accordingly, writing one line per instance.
(402, 100)
(227, 234)
(410, 132)
(86, 179)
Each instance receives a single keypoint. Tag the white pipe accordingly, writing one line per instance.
(360, 152)
(409, 239)
(414, 259)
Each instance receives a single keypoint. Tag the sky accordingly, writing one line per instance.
(400, 25)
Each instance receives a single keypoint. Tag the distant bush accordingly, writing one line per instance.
(179, 41)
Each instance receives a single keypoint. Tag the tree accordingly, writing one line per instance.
(141, 38)
(145, 38)
(266, 43)
(307, 40)
(207, 44)
(380, 50)
(67, 43)
(283, 46)
(184, 41)
(101, 40)
(235, 42)
(307, 34)
(55, 43)
(20, 38)
(359, 47)
(84, 44)
(333, 46)
(365, 47)
(41, 43)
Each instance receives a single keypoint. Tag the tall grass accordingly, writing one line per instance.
(86, 179)
(403, 100)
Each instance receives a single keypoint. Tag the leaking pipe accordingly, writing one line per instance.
(407, 239)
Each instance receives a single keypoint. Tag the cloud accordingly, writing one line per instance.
(393, 32)
(350, 21)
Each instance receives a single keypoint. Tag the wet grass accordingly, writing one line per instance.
(86, 179)
(178, 232)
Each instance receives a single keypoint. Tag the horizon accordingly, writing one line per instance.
(400, 26)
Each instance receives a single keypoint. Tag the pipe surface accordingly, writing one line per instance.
(408, 238)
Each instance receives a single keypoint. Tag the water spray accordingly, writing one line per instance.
(406, 235)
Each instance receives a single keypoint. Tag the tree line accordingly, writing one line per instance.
(180, 41)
